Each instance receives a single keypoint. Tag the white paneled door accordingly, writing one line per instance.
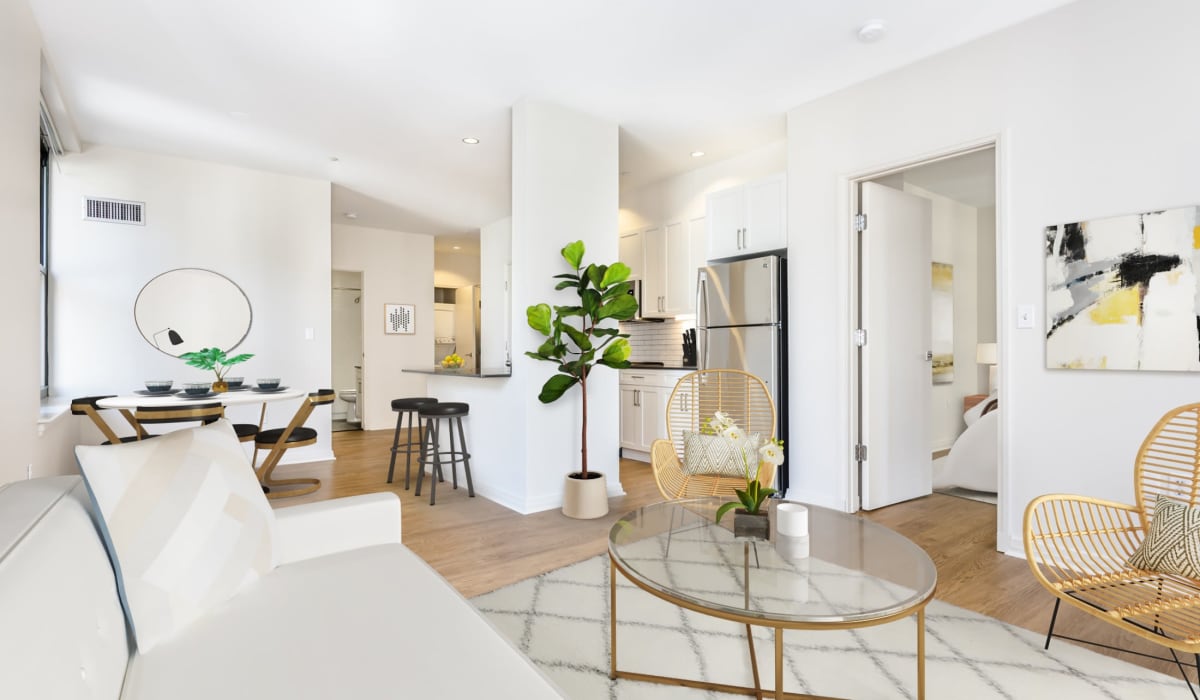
(896, 374)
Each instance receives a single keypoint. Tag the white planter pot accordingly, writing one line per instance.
(585, 499)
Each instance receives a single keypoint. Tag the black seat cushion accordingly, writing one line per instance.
(245, 430)
(411, 404)
(450, 408)
(270, 437)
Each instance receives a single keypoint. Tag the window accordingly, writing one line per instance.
(43, 257)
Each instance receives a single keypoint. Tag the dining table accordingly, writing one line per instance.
(126, 403)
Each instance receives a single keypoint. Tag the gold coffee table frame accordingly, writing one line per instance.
(916, 607)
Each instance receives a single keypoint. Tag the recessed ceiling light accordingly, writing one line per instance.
(458, 247)
(350, 215)
(470, 140)
(872, 31)
(697, 154)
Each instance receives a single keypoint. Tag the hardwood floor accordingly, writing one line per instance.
(480, 546)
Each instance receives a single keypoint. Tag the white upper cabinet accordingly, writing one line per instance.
(668, 286)
(631, 252)
(750, 218)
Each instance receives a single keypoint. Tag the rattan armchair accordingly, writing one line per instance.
(1078, 546)
(693, 401)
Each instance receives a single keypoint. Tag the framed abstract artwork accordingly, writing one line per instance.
(1122, 293)
(399, 319)
(942, 323)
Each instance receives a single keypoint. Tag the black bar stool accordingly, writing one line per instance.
(432, 455)
(407, 407)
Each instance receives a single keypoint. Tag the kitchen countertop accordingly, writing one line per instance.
(485, 373)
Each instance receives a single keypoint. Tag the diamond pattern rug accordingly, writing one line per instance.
(560, 620)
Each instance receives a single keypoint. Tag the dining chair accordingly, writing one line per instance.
(88, 406)
(203, 413)
(280, 440)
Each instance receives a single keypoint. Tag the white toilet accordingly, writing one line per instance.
(350, 396)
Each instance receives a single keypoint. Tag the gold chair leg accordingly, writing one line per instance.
(310, 484)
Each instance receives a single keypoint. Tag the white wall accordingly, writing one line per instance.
(455, 270)
(268, 233)
(20, 60)
(397, 268)
(1093, 106)
(682, 197)
(954, 242)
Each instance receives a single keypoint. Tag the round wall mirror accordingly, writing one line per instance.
(191, 309)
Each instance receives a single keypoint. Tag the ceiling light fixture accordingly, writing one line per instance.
(872, 31)
(458, 247)
(350, 215)
(697, 154)
(470, 140)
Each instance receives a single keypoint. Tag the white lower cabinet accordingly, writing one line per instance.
(644, 397)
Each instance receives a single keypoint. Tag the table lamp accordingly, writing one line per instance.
(985, 354)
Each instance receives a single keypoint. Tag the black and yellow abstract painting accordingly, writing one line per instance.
(1122, 292)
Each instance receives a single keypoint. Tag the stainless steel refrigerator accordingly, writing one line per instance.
(741, 320)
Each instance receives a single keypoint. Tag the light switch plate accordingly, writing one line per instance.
(1025, 316)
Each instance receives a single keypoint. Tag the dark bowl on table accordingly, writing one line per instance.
(235, 382)
(197, 388)
(268, 384)
(159, 386)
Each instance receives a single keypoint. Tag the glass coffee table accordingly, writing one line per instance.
(857, 574)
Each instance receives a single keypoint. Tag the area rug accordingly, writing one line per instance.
(560, 620)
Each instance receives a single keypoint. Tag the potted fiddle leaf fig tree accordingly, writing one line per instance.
(577, 341)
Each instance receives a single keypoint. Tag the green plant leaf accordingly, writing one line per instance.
(617, 272)
(581, 339)
(595, 274)
(591, 302)
(617, 290)
(238, 358)
(555, 387)
(725, 508)
(621, 308)
(573, 254)
(564, 284)
(601, 332)
(538, 317)
(617, 351)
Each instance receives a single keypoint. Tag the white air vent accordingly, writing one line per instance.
(114, 211)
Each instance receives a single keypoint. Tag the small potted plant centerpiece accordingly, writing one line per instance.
(749, 518)
(214, 359)
(576, 342)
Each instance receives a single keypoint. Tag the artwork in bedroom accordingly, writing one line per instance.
(1122, 293)
(942, 323)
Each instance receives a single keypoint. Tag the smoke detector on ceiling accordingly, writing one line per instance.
(872, 31)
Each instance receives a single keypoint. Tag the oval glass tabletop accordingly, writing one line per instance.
(857, 571)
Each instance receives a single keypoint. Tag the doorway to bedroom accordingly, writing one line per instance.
(926, 412)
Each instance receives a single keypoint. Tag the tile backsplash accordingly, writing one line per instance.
(657, 342)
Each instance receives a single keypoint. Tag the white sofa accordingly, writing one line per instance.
(349, 613)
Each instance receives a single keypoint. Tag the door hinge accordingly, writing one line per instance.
(860, 337)
(860, 452)
(860, 222)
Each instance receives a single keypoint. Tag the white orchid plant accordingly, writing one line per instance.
(771, 452)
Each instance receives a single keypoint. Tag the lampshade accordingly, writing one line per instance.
(985, 354)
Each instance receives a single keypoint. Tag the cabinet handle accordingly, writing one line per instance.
(746, 237)
(637, 397)
(739, 239)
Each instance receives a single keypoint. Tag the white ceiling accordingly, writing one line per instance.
(390, 87)
(970, 179)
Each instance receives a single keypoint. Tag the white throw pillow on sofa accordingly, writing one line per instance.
(185, 521)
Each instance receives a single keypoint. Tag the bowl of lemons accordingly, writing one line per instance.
(452, 362)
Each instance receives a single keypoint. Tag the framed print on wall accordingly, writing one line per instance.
(399, 319)
(1123, 293)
